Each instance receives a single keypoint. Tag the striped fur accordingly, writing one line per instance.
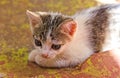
(99, 24)
(50, 23)
(98, 29)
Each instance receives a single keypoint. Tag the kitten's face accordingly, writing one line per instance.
(51, 32)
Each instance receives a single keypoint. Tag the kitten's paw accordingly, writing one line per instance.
(45, 62)
(32, 55)
(38, 59)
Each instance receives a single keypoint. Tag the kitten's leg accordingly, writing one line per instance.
(66, 63)
(46, 62)
(32, 55)
(39, 60)
(55, 62)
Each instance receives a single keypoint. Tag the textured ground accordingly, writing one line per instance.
(16, 38)
(100, 65)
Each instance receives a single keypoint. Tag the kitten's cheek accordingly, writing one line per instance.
(52, 56)
(61, 50)
(39, 49)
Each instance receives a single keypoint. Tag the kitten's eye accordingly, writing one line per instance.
(56, 47)
(38, 43)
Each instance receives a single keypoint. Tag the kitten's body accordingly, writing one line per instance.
(98, 29)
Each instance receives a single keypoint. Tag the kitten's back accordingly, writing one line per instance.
(103, 25)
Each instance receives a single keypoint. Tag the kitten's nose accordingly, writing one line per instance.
(45, 55)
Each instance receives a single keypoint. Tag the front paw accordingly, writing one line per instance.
(32, 55)
(44, 62)
(38, 59)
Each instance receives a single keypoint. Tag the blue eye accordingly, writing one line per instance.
(38, 43)
(56, 47)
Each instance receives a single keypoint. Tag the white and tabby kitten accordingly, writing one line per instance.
(63, 41)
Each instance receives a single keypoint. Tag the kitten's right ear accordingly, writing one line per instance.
(34, 18)
(69, 27)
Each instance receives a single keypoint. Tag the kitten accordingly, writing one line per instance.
(63, 41)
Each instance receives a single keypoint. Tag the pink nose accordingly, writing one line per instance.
(45, 55)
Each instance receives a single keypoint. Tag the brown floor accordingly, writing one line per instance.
(99, 65)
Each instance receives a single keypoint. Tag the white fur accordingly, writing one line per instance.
(113, 33)
(75, 52)
(79, 49)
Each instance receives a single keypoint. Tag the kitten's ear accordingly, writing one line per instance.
(69, 27)
(33, 18)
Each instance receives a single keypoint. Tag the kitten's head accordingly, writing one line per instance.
(51, 32)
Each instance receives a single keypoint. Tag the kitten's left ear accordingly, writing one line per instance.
(69, 27)
(33, 18)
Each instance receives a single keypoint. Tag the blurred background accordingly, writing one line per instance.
(15, 35)
(14, 27)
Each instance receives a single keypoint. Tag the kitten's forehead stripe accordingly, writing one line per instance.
(50, 23)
